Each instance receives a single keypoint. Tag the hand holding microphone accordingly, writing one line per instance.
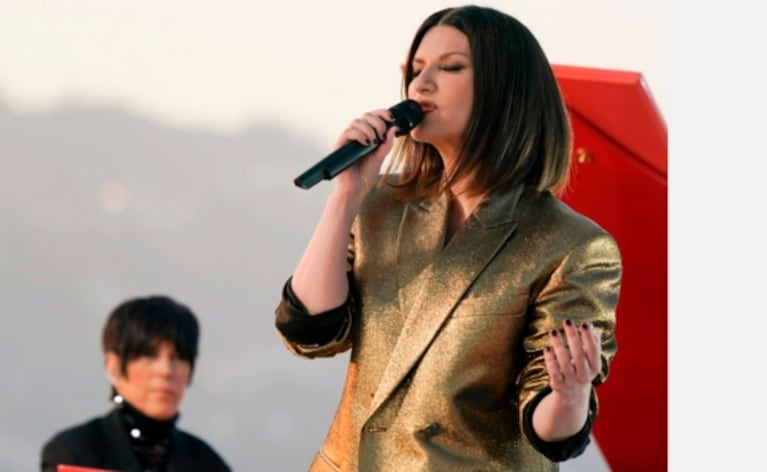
(405, 116)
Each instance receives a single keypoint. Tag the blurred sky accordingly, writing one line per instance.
(309, 65)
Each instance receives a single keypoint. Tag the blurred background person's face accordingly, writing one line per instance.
(154, 384)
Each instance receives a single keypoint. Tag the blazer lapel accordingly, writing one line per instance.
(420, 240)
(432, 282)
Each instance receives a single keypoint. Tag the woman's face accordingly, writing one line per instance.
(153, 384)
(443, 84)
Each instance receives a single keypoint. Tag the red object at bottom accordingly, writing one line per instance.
(619, 179)
(77, 468)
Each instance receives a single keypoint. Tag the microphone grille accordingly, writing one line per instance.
(407, 114)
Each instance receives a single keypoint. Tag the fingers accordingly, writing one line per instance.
(369, 129)
(578, 358)
(574, 355)
(556, 378)
(591, 346)
(558, 347)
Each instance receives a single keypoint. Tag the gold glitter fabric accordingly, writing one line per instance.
(447, 345)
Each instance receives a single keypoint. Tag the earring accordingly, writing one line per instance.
(118, 399)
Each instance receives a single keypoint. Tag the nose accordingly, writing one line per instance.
(164, 365)
(423, 82)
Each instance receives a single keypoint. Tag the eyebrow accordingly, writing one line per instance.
(443, 56)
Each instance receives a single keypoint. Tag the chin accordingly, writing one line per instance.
(162, 412)
(162, 415)
(428, 135)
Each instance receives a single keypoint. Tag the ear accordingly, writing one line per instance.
(403, 67)
(112, 365)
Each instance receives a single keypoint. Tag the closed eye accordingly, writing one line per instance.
(453, 68)
(448, 68)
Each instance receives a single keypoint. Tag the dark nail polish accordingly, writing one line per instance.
(547, 348)
(554, 333)
(569, 322)
(585, 326)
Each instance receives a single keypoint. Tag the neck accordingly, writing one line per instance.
(461, 207)
(142, 428)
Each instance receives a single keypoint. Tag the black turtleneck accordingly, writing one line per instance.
(150, 438)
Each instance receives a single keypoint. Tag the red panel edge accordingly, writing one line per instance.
(625, 110)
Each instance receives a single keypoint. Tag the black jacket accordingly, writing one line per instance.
(104, 443)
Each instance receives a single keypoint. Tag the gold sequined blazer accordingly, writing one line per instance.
(447, 338)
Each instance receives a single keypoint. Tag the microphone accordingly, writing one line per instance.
(407, 114)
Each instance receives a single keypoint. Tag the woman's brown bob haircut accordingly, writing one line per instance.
(518, 131)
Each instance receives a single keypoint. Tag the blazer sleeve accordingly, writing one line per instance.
(324, 334)
(53, 454)
(584, 287)
(321, 335)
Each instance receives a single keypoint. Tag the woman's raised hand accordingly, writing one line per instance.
(370, 128)
(574, 366)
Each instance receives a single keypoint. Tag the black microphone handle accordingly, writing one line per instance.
(334, 164)
(405, 115)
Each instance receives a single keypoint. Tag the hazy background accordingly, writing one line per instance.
(150, 147)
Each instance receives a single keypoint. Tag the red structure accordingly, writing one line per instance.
(619, 179)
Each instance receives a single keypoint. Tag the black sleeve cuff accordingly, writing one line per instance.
(556, 451)
(297, 325)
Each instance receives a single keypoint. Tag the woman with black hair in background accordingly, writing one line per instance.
(149, 346)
